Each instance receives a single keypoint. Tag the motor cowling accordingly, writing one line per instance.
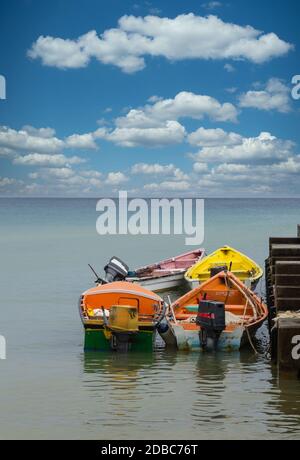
(115, 270)
(212, 320)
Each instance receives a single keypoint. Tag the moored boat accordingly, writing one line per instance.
(225, 258)
(167, 274)
(120, 316)
(222, 313)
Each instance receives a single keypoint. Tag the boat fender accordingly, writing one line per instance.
(162, 327)
(166, 333)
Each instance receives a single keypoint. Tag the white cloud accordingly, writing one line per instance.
(168, 185)
(43, 159)
(154, 168)
(154, 98)
(45, 133)
(231, 90)
(264, 147)
(6, 152)
(200, 167)
(226, 168)
(171, 132)
(58, 52)
(116, 178)
(66, 181)
(81, 141)
(291, 166)
(41, 141)
(252, 178)
(213, 138)
(159, 169)
(187, 36)
(212, 5)
(275, 96)
(7, 181)
(229, 67)
(184, 105)
(92, 174)
(23, 140)
(60, 173)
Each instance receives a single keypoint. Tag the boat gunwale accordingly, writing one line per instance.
(257, 276)
(164, 275)
(122, 291)
(201, 252)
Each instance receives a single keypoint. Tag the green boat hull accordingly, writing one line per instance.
(95, 340)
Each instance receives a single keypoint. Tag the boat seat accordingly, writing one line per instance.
(218, 290)
(231, 318)
(184, 316)
(238, 309)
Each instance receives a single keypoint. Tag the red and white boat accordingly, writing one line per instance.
(167, 274)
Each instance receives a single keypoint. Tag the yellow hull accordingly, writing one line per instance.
(239, 264)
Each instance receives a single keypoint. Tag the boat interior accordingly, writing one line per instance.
(179, 263)
(241, 305)
(237, 263)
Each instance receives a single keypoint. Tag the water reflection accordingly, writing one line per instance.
(188, 395)
(284, 404)
(209, 374)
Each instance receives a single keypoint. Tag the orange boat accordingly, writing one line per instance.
(222, 313)
(120, 316)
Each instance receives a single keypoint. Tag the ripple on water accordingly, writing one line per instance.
(190, 395)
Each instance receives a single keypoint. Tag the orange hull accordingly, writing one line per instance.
(92, 301)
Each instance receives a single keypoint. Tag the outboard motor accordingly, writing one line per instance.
(115, 270)
(219, 269)
(211, 319)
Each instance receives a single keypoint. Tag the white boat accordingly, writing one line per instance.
(221, 313)
(167, 274)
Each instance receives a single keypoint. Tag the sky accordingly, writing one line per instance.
(158, 98)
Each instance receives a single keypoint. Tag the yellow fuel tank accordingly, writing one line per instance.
(123, 318)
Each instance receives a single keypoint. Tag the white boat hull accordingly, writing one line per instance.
(192, 284)
(189, 340)
(161, 283)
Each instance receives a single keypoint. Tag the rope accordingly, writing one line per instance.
(247, 296)
(251, 342)
(245, 311)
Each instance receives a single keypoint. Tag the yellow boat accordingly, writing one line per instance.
(225, 258)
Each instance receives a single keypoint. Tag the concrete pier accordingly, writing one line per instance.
(283, 299)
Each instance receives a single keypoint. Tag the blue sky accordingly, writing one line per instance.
(163, 98)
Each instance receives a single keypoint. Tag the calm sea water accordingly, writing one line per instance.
(50, 389)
